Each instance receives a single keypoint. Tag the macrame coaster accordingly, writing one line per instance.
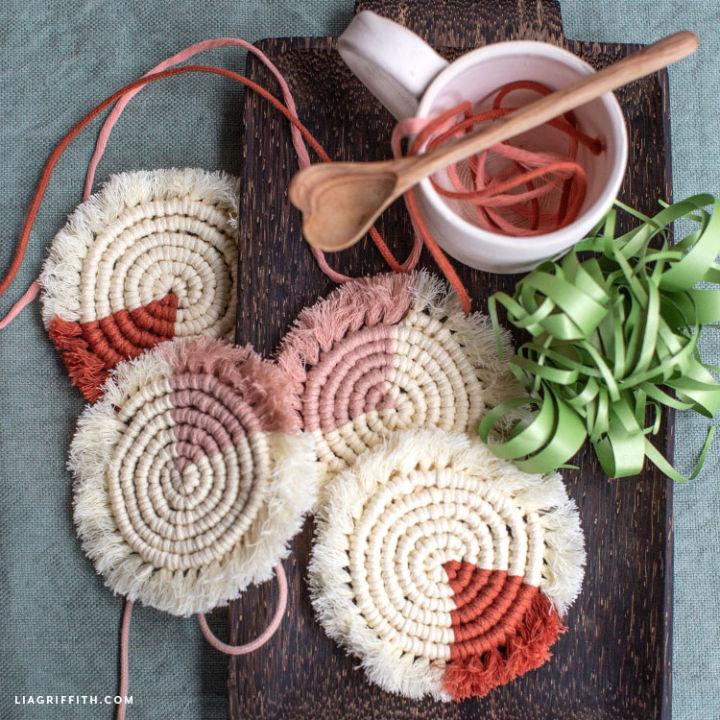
(150, 257)
(191, 475)
(390, 352)
(444, 568)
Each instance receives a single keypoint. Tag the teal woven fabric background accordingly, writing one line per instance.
(58, 624)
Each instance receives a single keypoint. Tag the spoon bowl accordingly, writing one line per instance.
(340, 201)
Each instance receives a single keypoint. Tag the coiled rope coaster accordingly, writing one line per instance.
(150, 257)
(191, 475)
(385, 353)
(444, 568)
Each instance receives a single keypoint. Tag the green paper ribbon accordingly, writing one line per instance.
(614, 328)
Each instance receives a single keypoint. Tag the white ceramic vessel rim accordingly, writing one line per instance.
(559, 238)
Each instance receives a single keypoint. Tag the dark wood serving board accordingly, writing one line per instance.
(614, 661)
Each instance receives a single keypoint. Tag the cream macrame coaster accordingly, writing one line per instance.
(191, 475)
(442, 567)
(390, 352)
(151, 256)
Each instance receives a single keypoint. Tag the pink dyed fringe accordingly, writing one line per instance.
(365, 302)
(263, 385)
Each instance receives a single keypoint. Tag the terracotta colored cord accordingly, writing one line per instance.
(485, 191)
(182, 56)
(297, 139)
(136, 85)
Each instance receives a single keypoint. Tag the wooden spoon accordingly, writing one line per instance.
(340, 201)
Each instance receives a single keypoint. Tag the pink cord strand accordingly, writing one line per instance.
(30, 294)
(172, 61)
(124, 659)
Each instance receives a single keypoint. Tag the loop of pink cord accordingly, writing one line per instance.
(269, 631)
(250, 647)
(172, 61)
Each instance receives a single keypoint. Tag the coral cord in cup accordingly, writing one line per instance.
(498, 205)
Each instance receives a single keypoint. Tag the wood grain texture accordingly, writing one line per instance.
(614, 662)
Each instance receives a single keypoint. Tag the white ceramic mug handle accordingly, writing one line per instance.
(390, 60)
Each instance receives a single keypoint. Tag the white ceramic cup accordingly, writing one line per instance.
(411, 80)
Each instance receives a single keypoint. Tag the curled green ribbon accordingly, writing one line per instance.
(614, 327)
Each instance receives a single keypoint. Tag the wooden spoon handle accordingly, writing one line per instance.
(648, 60)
